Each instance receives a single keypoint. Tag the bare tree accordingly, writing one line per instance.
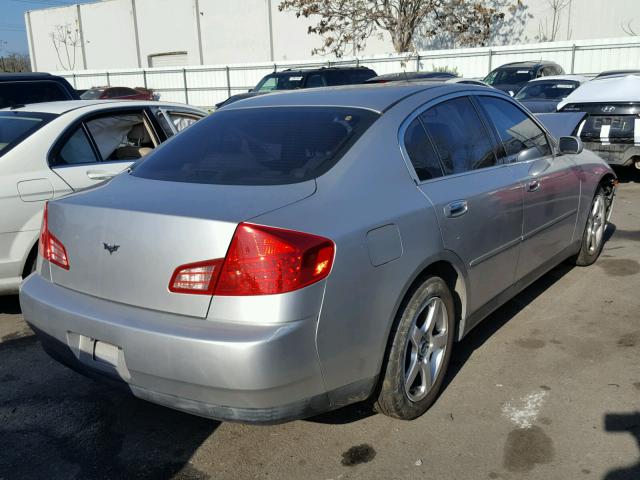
(66, 40)
(548, 32)
(348, 24)
(15, 62)
(628, 29)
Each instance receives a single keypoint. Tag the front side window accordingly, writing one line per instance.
(421, 152)
(259, 146)
(459, 136)
(17, 126)
(181, 121)
(518, 133)
(121, 137)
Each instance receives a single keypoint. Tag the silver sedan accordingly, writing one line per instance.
(294, 253)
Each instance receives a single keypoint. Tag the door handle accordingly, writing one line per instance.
(100, 175)
(533, 186)
(455, 209)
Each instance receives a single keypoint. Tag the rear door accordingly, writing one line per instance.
(552, 184)
(100, 146)
(477, 201)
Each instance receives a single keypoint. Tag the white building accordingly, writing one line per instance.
(152, 33)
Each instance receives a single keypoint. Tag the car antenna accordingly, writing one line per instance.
(13, 106)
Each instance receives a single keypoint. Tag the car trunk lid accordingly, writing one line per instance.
(125, 239)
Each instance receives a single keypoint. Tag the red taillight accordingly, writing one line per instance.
(49, 247)
(265, 261)
(197, 278)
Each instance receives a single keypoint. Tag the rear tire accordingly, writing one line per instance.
(593, 235)
(419, 352)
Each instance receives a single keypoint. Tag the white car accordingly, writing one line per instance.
(48, 150)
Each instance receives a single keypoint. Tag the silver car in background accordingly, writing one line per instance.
(298, 252)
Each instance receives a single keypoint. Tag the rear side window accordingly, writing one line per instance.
(517, 131)
(77, 150)
(421, 152)
(348, 77)
(459, 136)
(261, 146)
(18, 93)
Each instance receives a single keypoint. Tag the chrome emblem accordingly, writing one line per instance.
(111, 248)
(608, 109)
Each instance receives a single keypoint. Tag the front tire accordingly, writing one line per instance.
(593, 235)
(420, 351)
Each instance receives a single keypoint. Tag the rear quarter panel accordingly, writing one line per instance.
(21, 216)
(369, 188)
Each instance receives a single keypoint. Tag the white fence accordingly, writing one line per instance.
(207, 85)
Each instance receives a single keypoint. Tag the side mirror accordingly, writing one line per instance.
(570, 145)
(250, 90)
(512, 93)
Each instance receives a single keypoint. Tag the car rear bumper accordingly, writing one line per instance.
(623, 153)
(239, 372)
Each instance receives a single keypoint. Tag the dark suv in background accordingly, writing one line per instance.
(292, 79)
(23, 88)
(511, 77)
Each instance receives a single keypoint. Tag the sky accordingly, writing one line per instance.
(13, 34)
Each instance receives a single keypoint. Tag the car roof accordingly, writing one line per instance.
(575, 78)
(609, 73)
(62, 107)
(527, 64)
(376, 97)
(26, 76)
(399, 76)
(301, 71)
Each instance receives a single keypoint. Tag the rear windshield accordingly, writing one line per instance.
(261, 146)
(16, 126)
(509, 76)
(21, 93)
(280, 82)
(91, 94)
(546, 90)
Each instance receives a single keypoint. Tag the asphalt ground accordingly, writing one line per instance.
(546, 387)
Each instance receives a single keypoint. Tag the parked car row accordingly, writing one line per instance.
(212, 275)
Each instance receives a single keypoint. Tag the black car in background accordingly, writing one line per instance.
(23, 88)
(309, 78)
(511, 77)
